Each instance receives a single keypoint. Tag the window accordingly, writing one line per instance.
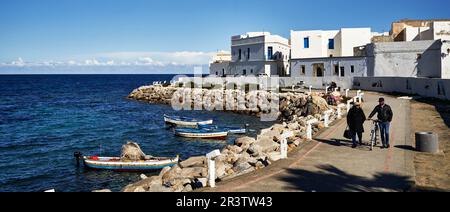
(248, 54)
(251, 71)
(270, 53)
(342, 71)
(352, 69)
(244, 72)
(330, 43)
(336, 70)
(303, 69)
(306, 43)
(240, 54)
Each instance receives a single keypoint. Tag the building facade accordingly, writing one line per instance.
(220, 64)
(416, 30)
(256, 53)
(331, 43)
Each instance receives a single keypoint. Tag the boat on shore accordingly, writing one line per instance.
(117, 164)
(201, 133)
(186, 121)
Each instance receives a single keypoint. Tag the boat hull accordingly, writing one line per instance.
(216, 135)
(114, 164)
(178, 121)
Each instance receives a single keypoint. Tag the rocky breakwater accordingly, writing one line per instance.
(246, 154)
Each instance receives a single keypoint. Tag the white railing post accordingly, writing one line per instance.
(349, 104)
(326, 118)
(326, 89)
(212, 167)
(346, 92)
(360, 97)
(309, 128)
(284, 146)
(339, 110)
(310, 89)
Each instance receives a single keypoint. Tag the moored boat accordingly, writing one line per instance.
(119, 165)
(186, 121)
(231, 130)
(201, 133)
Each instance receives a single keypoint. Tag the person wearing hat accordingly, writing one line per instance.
(385, 116)
(355, 122)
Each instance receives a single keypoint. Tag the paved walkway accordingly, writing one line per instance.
(330, 164)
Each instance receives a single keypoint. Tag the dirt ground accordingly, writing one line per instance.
(432, 171)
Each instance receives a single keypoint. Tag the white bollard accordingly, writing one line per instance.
(326, 89)
(339, 110)
(309, 128)
(349, 104)
(346, 92)
(358, 92)
(284, 146)
(326, 118)
(360, 97)
(212, 167)
(310, 89)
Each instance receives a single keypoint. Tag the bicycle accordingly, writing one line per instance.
(374, 133)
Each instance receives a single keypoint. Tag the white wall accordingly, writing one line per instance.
(441, 30)
(359, 64)
(413, 86)
(344, 42)
(353, 37)
(405, 59)
(445, 54)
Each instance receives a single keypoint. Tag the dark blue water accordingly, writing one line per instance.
(45, 118)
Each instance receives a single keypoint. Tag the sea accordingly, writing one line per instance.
(44, 119)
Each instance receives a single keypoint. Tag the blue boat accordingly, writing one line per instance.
(186, 121)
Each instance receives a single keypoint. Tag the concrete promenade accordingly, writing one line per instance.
(329, 164)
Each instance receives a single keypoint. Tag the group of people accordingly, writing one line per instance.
(356, 119)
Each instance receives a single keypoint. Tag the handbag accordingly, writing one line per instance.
(348, 133)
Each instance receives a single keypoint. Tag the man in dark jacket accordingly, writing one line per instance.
(385, 115)
(355, 121)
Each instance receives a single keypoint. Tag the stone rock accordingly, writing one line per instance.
(234, 149)
(203, 181)
(267, 144)
(244, 142)
(221, 168)
(241, 165)
(194, 162)
(164, 170)
(187, 188)
(294, 126)
(274, 156)
(139, 189)
(255, 150)
(143, 176)
(173, 173)
(160, 188)
(297, 142)
(102, 191)
(259, 165)
(194, 172)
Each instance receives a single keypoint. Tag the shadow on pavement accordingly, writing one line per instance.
(406, 147)
(442, 107)
(331, 179)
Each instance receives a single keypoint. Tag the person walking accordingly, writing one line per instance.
(385, 116)
(355, 121)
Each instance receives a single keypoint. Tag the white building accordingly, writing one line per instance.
(417, 30)
(220, 64)
(427, 58)
(256, 53)
(331, 43)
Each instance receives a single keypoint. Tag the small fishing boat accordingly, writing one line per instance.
(230, 130)
(201, 133)
(185, 121)
(119, 165)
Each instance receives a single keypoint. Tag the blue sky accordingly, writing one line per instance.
(176, 32)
